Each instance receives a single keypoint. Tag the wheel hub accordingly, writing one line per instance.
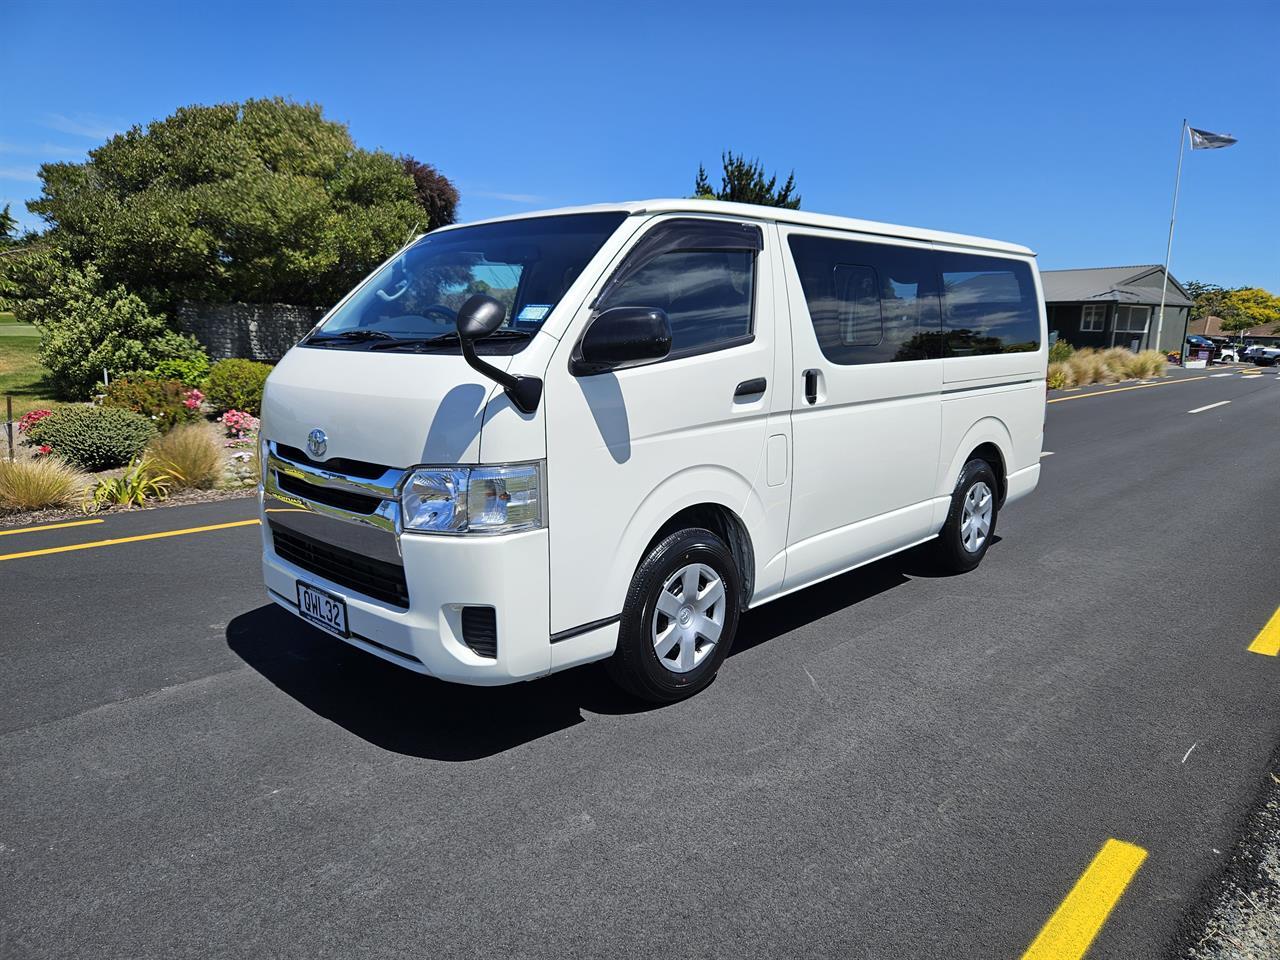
(689, 617)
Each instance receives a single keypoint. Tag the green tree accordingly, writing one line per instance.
(1211, 300)
(1253, 307)
(8, 228)
(87, 327)
(261, 201)
(743, 181)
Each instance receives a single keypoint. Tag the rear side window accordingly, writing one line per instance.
(869, 302)
(989, 305)
(701, 272)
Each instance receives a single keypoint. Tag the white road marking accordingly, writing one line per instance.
(1220, 403)
(1046, 453)
(1216, 375)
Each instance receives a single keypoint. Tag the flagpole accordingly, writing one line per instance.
(1168, 250)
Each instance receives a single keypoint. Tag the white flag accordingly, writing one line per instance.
(1204, 140)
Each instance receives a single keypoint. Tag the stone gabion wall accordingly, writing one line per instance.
(254, 331)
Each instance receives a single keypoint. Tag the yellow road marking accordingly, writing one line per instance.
(1069, 932)
(1267, 642)
(49, 526)
(137, 539)
(1141, 386)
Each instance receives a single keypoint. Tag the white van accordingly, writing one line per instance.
(605, 432)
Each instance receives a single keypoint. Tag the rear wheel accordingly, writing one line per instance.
(679, 617)
(971, 522)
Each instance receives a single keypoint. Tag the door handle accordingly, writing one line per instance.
(750, 388)
(811, 386)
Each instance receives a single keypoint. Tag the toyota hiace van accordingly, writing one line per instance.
(602, 433)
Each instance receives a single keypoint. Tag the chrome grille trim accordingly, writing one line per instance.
(386, 489)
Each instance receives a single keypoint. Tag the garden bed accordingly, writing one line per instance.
(183, 498)
(145, 441)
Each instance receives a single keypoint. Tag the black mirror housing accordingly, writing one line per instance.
(479, 316)
(622, 337)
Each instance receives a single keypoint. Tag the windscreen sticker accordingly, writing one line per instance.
(534, 311)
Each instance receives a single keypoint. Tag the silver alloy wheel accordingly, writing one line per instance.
(689, 618)
(975, 520)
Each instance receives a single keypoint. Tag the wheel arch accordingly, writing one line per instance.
(988, 440)
(707, 496)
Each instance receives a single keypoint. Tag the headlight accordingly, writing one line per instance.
(472, 499)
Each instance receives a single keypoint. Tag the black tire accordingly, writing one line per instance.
(635, 666)
(951, 552)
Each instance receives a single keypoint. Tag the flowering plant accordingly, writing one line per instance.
(44, 450)
(192, 399)
(35, 416)
(239, 424)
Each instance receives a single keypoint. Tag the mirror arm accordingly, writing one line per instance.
(523, 392)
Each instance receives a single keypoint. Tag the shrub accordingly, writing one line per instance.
(1087, 366)
(93, 438)
(191, 370)
(189, 456)
(164, 402)
(36, 484)
(239, 424)
(86, 327)
(1059, 376)
(237, 385)
(1148, 363)
(143, 482)
(31, 417)
(1060, 351)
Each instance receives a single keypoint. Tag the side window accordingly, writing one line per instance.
(858, 297)
(869, 302)
(702, 273)
(989, 305)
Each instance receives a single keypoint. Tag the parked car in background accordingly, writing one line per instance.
(603, 433)
(1263, 356)
(1198, 346)
(1227, 353)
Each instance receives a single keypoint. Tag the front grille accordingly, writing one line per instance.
(480, 630)
(352, 468)
(373, 578)
(334, 497)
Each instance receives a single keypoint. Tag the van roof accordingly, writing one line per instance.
(780, 215)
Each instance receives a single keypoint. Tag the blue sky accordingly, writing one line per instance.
(1050, 124)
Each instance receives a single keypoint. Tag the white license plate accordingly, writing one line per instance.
(323, 609)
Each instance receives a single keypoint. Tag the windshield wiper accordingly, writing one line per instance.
(451, 338)
(358, 335)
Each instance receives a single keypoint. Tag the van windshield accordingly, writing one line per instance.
(412, 302)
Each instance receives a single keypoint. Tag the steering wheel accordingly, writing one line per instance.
(440, 310)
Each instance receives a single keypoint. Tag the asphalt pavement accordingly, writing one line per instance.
(891, 765)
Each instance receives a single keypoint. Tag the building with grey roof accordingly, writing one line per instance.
(1116, 307)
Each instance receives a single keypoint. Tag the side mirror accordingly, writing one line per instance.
(622, 337)
(479, 317)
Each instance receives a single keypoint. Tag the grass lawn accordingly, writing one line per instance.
(7, 317)
(21, 373)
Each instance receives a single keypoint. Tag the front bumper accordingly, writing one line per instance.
(443, 574)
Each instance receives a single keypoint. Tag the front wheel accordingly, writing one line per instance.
(679, 617)
(971, 522)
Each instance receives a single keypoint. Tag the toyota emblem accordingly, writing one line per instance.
(317, 442)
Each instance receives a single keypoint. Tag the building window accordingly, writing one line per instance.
(1130, 319)
(1094, 318)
